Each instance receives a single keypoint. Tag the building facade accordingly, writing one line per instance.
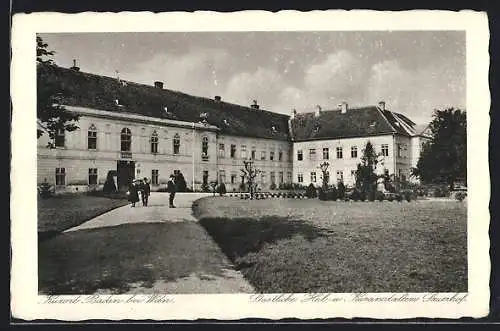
(133, 131)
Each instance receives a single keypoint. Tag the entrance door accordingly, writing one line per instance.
(125, 174)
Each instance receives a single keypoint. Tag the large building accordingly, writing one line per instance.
(136, 130)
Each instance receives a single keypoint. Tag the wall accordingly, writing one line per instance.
(347, 164)
(77, 158)
(233, 166)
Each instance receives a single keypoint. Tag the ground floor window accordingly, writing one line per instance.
(340, 176)
(313, 177)
(289, 177)
(273, 177)
(154, 176)
(60, 176)
(300, 178)
(92, 176)
(233, 179)
(205, 177)
(281, 177)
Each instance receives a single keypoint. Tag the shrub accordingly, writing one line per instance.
(221, 189)
(441, 191)
(45, 190)
(311, 191)
(205, 187)
(379, 195)
(362, 196)
(321, 194)
(370, 195)
(460, 196)
(355, 195)
(180, 182)
(390, 198)
(109, 184)
(242, 187)
(399, 197)
(332, 194)
(341, 189)
(272, 186)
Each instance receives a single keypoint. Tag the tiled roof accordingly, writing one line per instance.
(99, 92)
(355, 122)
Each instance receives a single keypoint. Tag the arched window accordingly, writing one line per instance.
(154, 142)
(126, 140)
(92, 137)
(204, 147)
(177, 143)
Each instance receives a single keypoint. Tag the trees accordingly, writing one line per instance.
(250, 173)
(365, 174)
(324, 170)
(444, 158)
(52, 117)
(180, 181)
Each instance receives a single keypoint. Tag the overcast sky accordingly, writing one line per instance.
(414, 72)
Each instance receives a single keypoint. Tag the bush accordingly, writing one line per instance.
(272, 186)
(441, 191)
(379, 195)
(341, 190)
(45, 190)
(109, 184)
(242, 187)
(221, 189)
(332, 194)
(180, 182)
(355, 195)
(311, 191)
(399, 197)
(370, 195)
(321, 194)
(390, 198)
(362, 196)
(460, 196)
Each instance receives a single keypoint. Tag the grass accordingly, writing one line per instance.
(325, 246)
(116, 258)
(60, 213)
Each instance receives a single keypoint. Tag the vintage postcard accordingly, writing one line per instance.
(179, 166)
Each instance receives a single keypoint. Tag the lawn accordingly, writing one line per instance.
(117, 258)
(289, 245)
(59, 213)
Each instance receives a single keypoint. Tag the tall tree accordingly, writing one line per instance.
(250, 173)
(444, 158)
(366, 178)
(52, 117)
(324, 170)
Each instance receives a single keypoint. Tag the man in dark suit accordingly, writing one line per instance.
(171, 188)
(146, 191)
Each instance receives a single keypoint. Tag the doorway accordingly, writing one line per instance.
(125, 174)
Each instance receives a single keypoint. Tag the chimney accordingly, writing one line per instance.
(255, 105)
(318, 111)
(217, 98)
(343, 107)
(381, 105)
(159, 84)
(74, 67)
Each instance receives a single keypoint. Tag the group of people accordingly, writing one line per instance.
(141, 190)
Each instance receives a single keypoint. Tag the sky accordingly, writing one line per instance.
(414, 72)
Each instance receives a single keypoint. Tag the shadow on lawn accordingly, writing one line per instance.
(114, 258)
(240, 236)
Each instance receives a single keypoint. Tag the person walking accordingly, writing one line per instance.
(171, 188)
(133, 194)
(146, 191)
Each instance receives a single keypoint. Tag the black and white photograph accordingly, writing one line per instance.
(263, 163)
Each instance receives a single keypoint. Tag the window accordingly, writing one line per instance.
(177, 143)
(154, 177)
(263, 155)
(280, 156)
(253, 153)
(60, 176)
(92, 137)
(354, 152)
(233, 178)
(300, 178)
(92, 176)
(204, 147)
(327, 176)
(233, 151)
(205, 177)
(353, 174)
(300, 157)
(280, 177)
(385, 150)
(340, 175)
(400, 150)
(243, 151)
(263, 177)
(60, 138)
(339, 153)
(222, 151)
(400, 172)
(126, 140)
(289, 177)
(271, 155)
(313, 177)
(222, 176)
(273, 177)
(326, 153)
(312, 154)
(177, 173)
(405, 151)
(154, 142)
